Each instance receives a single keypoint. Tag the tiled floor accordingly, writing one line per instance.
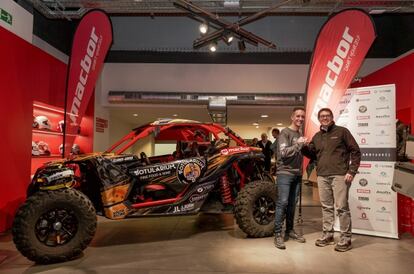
(212, 243)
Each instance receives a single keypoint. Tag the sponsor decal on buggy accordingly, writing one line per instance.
(60, 175)
(122, 159)
(197, 197)
(183, 208)
(234, 150)
(188, 171)
(153, 171)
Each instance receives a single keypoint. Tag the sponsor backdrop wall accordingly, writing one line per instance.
(369, 113)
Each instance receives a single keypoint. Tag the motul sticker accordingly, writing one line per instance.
(189, 171)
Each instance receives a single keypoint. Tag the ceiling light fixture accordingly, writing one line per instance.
(135, 115)
(175, 115)
(203, 28)
(279, 124)
(213, 47)
(255, 124)
(264, 115)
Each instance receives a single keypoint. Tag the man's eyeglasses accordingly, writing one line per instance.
(325, 116)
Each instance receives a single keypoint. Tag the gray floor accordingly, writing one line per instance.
(212, 243)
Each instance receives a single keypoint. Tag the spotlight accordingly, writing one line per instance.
(241, 45)
(213, 47)
(229, 39)
(203, 28)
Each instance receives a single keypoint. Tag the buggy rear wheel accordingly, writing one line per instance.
(255, 209)
(54, 226)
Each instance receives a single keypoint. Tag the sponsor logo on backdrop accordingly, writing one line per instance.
(384, 165)
(384, 192)
(365, 165)
(343, 111)
(382, 133)
(363, 133)
(364, 172)
(383, 174)
(382, 124)
(363, 216)
(362, 124)
(382, 99)
(344, 101)
(363, 92)
(363, 198)
(363, 207)
(383, 220)
(383, 200)
(362, 100)
(382, 116)
(363, 141)
(382, 91)
(383, 209)
(362, 109)
(363, 117)
(383, 183)
(383, 143)
(363, 182)
(365, 191)
(383, 108)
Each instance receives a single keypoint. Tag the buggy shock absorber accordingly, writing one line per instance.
(225, 189)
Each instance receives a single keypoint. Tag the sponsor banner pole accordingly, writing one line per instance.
(369, 113)
(91, 42)
(339, 51)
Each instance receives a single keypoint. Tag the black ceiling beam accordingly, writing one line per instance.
(226, 26)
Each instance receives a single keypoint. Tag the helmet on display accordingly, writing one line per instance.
(35, 149)
(41, 122)
(43, 148)
(75, 149)
(61, 125)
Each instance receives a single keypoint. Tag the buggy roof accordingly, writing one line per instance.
(174, 129)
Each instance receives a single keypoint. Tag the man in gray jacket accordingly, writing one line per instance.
(337, 156)
(289, 177)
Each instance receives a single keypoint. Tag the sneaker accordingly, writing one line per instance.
(279, 243)
(326, 239)
(343, 245)
(294, 236)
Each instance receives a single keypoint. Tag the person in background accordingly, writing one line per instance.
(265, 145)
(275, 134)
(289, 177)
(337, 156)
(254, 142)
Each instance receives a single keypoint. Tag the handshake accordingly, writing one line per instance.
(302, 141)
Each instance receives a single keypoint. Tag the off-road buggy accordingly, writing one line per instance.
(211, 166)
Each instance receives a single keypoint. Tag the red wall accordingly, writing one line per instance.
(26, 74)
(399, 73)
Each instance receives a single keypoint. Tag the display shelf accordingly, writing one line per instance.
(50, 132)
(47, 134)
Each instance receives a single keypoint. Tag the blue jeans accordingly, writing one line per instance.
(288, 193)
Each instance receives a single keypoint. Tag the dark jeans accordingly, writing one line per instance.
(288, 193)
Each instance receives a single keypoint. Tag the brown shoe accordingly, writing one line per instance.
(326, 239)
(294, 236)
(343, 245)
(279, 243)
